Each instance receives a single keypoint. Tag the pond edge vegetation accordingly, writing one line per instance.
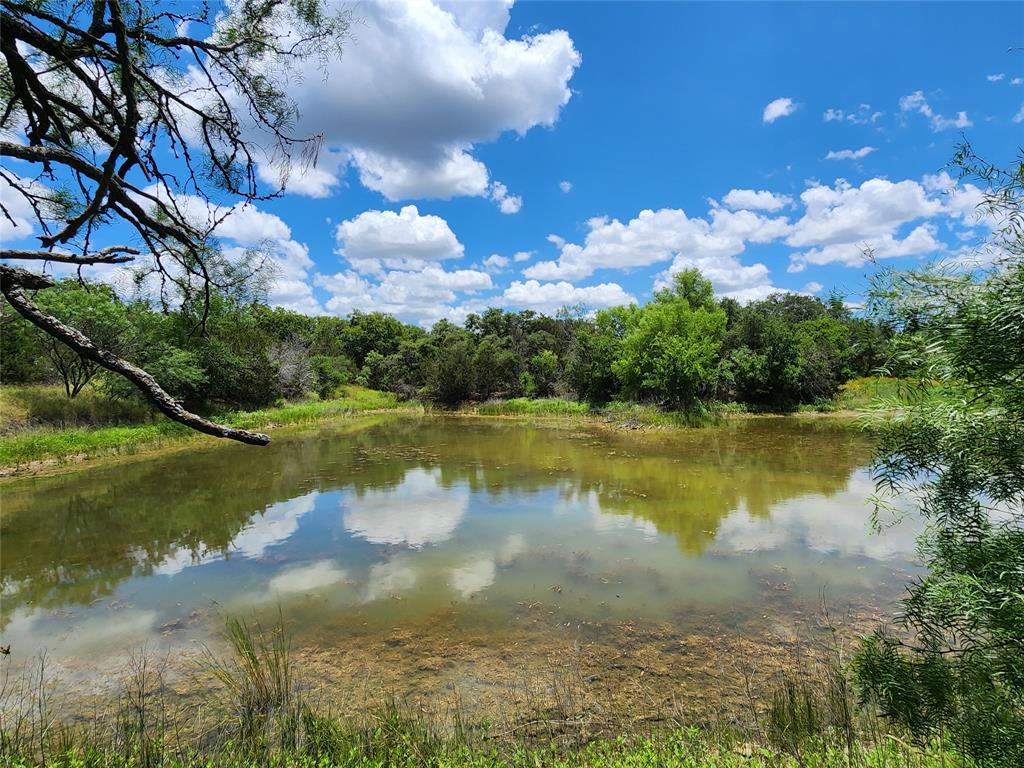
(261, 712)
(60, 442)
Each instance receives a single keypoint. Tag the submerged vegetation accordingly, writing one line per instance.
(262, 713)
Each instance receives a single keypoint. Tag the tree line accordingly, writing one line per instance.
(680, 350)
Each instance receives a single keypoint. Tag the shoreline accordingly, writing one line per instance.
(166, 438)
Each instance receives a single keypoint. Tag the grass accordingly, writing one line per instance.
(60, 443)
(402, 745)
(867, 392)
(640, 415)
(262, 716)
(543, 406)
(632, 415)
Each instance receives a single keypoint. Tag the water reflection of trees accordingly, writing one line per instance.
(73, 539)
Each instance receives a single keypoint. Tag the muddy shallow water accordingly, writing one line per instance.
(428, 556)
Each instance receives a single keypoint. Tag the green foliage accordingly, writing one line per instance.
(331, 372)
(670, 349)
(956, 447)
(179, 372)
(451, 378)
(373, 332)
(496, 367)
(680, 351)
(788, 349)
(544, 369)
(93, 309)
(595, 348)
(21, 350)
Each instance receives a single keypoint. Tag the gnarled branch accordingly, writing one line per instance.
(114, 254)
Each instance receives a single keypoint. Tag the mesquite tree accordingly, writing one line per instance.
(117, 115)
(955, 447)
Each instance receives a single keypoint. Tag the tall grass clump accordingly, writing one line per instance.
(261, 702)
(26, 406)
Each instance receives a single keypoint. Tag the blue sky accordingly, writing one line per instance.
(482, 154)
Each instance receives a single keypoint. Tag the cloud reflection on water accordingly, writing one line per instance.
(416, 512)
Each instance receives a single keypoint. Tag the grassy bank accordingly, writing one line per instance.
(854, 396)
(633, 415)
(40, 424)
(254, 709)
(57, 429)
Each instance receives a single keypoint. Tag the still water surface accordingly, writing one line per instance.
(381, 523)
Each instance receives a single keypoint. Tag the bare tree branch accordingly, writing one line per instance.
(108, 255)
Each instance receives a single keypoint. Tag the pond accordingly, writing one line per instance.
(419, 554)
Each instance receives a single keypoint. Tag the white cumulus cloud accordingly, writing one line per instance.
(423, 296)
(863, 115)
(418, 86)
(550, 297)
(17, 221)
(841, 222)
(670, 235)
(507, 203)
(243, 228)
(496, 263)
(403, 240)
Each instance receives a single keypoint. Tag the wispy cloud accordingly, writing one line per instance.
(849, 154)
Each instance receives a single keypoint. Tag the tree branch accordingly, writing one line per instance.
(105, 256)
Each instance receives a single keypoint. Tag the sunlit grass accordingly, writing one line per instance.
(643, 415)
(624, 414)
(867, 392)
(401, 747)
